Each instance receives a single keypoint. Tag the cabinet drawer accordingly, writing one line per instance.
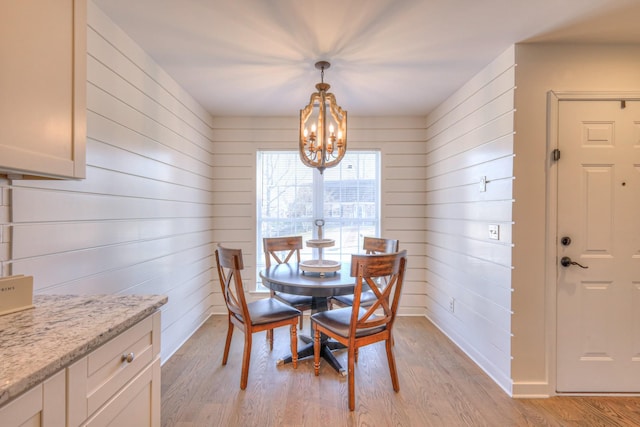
(97, 377)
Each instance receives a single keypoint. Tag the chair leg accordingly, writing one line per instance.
(246, 358)
(316, 351)
(227, 345)
(350, 373)
(392, 364)
(270, 338)
(301, 316)
(294, 346)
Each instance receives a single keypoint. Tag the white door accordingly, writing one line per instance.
(598, 318)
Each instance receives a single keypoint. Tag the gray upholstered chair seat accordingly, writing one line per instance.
(294, 300)
(339, 320)
(366, 299)
(269, 310)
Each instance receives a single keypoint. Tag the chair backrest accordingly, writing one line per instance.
(368, 270)
(229, 262)
(377, 245)
(281, 249)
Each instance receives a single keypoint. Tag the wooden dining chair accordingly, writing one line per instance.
(371, 245)
(282, 250)
(262, 315)
(357, 326)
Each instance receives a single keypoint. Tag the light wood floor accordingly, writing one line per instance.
(439, 386)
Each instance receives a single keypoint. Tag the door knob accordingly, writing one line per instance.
(565, 261)
(565, 241)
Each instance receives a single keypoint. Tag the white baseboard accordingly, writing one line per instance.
(532, 390)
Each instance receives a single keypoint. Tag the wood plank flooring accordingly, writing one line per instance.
(439, 386)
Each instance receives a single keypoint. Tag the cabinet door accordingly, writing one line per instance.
(26, 410)
(43, 405)
(137, 404)
(43, 87)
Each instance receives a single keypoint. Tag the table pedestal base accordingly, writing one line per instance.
(326, 346)
(318, 304)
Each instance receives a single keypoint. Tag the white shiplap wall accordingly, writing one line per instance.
(401, 141)
(141, 220)
(470, 136)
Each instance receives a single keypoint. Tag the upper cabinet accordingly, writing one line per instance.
(43, 88)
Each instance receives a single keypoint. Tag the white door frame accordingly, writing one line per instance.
(553, 99)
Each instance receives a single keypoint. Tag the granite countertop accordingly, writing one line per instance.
(38, 342)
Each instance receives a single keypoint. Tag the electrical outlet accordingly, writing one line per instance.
(452, 305)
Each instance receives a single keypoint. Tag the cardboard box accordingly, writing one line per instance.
(16, 293)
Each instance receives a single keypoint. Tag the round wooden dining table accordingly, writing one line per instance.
(290, 279)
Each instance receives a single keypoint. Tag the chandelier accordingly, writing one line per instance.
(323, 139)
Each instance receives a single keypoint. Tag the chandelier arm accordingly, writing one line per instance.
(340, 117)
(322, 128)
(307, 154)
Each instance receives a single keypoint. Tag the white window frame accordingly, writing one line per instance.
(318, 189)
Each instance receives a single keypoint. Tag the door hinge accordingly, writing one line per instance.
(555, 155)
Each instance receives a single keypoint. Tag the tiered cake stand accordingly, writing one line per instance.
(320, 265)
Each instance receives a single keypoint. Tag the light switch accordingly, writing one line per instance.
(494, 231)
(483, 184)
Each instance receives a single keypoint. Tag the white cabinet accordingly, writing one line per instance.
(117, 384)
(43, 405)
(43, 87)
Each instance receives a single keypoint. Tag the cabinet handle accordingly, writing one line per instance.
(127, 357)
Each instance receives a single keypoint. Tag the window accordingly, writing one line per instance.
(290, 196)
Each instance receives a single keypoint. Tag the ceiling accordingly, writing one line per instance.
(388, 57)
